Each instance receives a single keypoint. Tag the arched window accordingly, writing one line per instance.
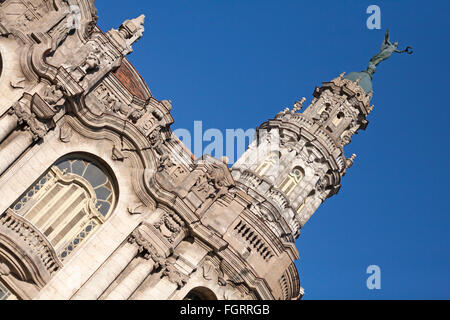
(69, 202)
(271, 160)
(338, 119)
(292, 180)
(200, 293)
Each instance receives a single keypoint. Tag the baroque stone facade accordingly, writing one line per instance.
(100, 200)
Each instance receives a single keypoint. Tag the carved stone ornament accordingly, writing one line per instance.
(53, 95)
(66, 133)
(174, 276)
(18, 83)
(350, 161)
(157, 142)
(129, 32)
(136, 209)
(110, 102)
(212, 272)
(170, 225)
(37, 128)
(324, 183)
(146, 248)
(117, 154)
(212, 183)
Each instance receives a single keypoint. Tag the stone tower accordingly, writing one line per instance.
(100, 200)
(298, 159)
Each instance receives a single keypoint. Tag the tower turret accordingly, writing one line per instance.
(298, 159)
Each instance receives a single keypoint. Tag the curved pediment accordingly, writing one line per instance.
(132, 81)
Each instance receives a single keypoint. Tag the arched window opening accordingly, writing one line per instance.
(338, 119)
(271, 160)
(292, 180)
(68, 202)
(200, 293)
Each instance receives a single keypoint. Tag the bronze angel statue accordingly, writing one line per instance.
(387, 49)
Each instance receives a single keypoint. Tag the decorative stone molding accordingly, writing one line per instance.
(290, 285)
(18, 83)
(250, 178)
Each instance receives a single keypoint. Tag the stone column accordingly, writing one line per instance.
(13, 147)
(7, 124)
(132, 281)
(107, 273)
(161, 291)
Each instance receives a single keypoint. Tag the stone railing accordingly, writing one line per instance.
(37, 242)
(279, 198)
(250, 179)
(301, 119)
(328, 141)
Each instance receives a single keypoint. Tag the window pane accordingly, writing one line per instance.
(95, 176)
(102, 193)
(64, 166)
(78, 167)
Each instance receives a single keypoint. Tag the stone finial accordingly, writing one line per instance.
(351, 161)
(129, 32)
(298, 105)
(371, 109)
(132, 30)
(341, 76)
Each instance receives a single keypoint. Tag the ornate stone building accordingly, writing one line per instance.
(100, 200)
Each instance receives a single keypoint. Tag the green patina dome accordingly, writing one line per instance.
(365, 81)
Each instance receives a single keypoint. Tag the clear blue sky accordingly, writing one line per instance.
(235, 64)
